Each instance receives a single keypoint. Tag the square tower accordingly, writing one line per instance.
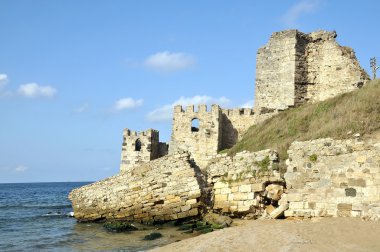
(140, 147)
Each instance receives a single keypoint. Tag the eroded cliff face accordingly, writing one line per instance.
(163, 189)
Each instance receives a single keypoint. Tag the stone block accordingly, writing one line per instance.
(221, 197)
(240, 196)
(245, 188)
(257, 187)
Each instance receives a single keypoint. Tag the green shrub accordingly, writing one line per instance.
(313, 158)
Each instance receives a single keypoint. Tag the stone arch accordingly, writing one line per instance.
(195, 125)
(138, 145)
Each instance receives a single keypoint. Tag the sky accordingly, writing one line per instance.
(74, 74)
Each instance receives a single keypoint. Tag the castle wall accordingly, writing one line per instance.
(332, 69)
(163, 189)
(202, 143)
(275, 71)
(239, 182)
(235, 122)
(294, 68)
(327, 177)
(150, 148)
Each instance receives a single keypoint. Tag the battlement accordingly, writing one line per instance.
(239, 112)
(201, 108)
(140, 147)
(147, 133)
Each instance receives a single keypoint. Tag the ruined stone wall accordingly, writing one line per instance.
(327, 177)
(275, 71)
(201, 143)
(163, 189)
(239, 183)
(294, 68)
(149, 148)
(332, 69)
(235, 122)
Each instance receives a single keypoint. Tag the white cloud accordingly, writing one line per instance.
(84, 107)
(165, 112)
(33, 90)
(169, 62)
(291, 17)
(248, 104)
(127, 103)
(20, 168)
(3, 81)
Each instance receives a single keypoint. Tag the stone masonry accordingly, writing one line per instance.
(163, 189)
(140, 147)
(327, 177)
(295, 67)
(239, 183)
(218, 129)
(324, 177)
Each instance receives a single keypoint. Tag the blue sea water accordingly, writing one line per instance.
(34, 217)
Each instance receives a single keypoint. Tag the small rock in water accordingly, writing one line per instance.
(71, 214)
(152, 236)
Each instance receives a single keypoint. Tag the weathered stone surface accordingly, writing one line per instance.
(140, 147)
(239, 181)
(339, 183)
(295, 67)
(216, 219)
(162, 189)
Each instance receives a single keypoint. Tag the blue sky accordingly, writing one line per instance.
(74, 74)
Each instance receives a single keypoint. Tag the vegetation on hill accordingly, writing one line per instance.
(339, 118)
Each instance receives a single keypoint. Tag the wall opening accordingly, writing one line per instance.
(195, 125)
(138, 145)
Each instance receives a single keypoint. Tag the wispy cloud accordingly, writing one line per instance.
(248, 104)
(3, 81)
(127, 103)
(165, 112)
(20, 168)
(16, 169)
(33, 90)
(169, 62)
(290, 18)
(84, 107)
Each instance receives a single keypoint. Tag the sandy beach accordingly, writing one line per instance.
(319, 234)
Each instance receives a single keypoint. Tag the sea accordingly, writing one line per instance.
(36, 217)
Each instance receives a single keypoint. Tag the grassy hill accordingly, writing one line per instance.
(339, 118)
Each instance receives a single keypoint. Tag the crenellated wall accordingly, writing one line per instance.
(140, 147)
(202, 142)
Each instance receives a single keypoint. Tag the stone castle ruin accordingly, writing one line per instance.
(293, 68)
(189, 176)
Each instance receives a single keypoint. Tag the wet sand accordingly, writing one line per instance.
(319, 234)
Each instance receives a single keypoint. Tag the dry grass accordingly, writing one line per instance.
(356, 112)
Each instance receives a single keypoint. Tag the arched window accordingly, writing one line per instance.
(195, 125)
(138, 145)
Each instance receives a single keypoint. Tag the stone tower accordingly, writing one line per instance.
(295, 67)
(140, 147)
(197, 132)
(203, 133)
